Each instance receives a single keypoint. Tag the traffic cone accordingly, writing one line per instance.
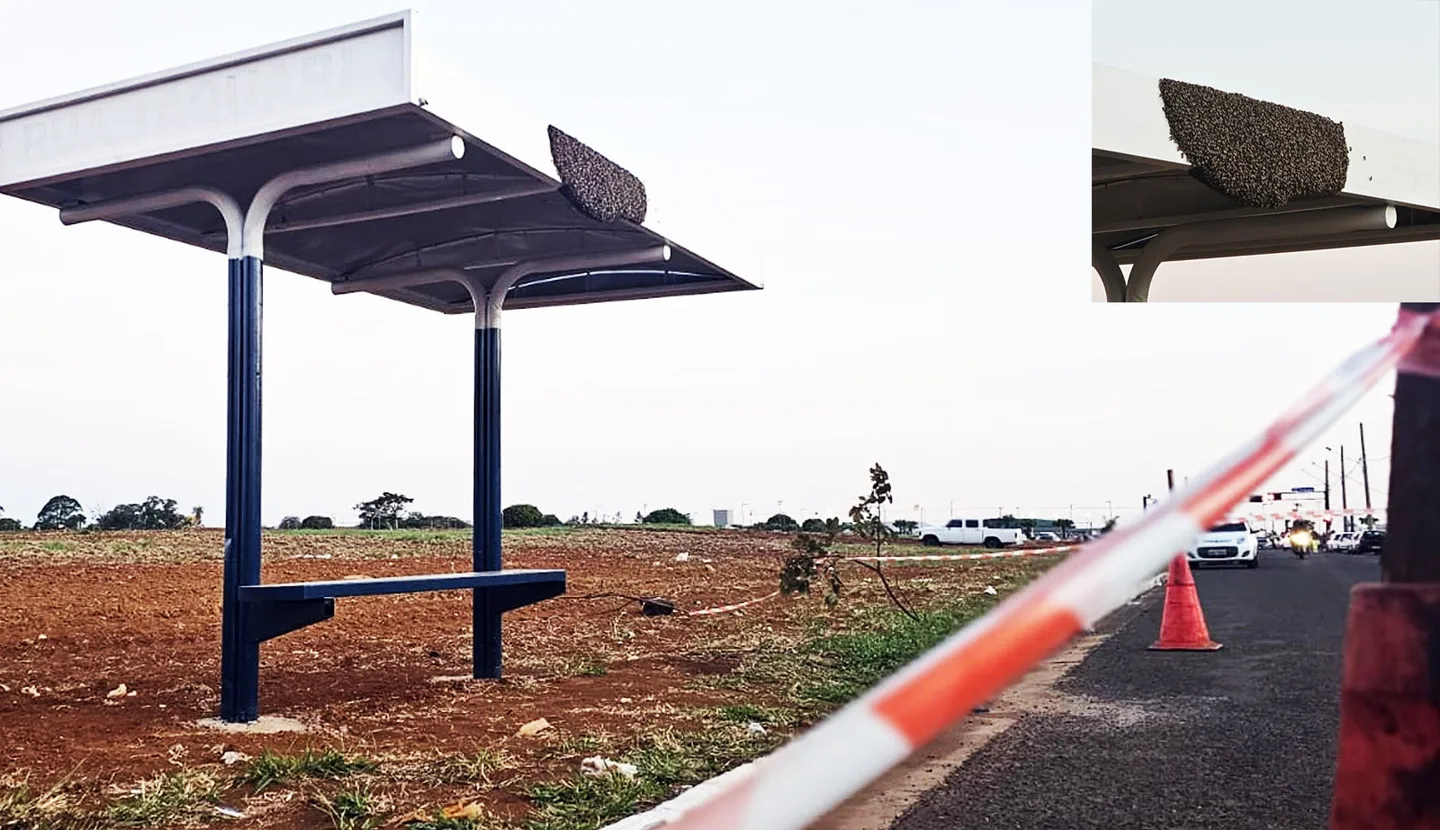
(1182, 624)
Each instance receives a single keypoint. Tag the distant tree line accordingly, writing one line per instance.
(64, 513)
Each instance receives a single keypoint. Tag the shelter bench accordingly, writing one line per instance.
(282, 607)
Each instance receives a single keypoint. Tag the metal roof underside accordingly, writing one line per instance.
(1133, 200)
(542, 222)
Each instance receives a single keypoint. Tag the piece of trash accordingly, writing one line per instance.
(233, 757)
(533, 728)
(754, 728)
(990, 589)
(394, 556)
(4, 688)
(980, 710)
(228, 812)
(622, 700)
(682, 556)
(463, 810)
(42, 637)
(354, 576)
(118, 691)
(710, 568)
(30, 690)
(132, 694)
(597, 767)
(656, 606)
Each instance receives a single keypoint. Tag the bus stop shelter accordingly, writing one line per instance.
(320, 156)
(1258, 178)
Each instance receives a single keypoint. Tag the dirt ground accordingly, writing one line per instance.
(81, 614)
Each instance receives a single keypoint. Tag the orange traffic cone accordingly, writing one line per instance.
(1182, 624)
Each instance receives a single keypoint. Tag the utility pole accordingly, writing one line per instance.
(1170, 479)
(1344, 500)
(1364, 468)
(1327, 484)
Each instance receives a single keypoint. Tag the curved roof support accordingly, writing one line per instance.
(488, 300)
(253, 238)
(1109, 270)
(1225, 231)
(229, 208)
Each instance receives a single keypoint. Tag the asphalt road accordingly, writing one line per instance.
(1240, 738)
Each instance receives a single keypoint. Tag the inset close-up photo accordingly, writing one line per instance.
(1220, 142)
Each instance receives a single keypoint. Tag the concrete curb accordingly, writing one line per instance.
(662, 814)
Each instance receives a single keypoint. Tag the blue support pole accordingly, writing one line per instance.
(239, 650)
(486, 540)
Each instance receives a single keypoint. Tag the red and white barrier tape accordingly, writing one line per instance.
(737, 606)
(960, 557)
(1307, 514)
(821, 768)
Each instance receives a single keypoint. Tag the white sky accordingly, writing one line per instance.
(1374, 64)
(909, 180)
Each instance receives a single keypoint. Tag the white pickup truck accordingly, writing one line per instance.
(971, 532)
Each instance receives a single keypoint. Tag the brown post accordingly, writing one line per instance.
(1390, 692)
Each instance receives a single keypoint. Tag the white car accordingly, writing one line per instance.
(1228, 543)
(1343, 540)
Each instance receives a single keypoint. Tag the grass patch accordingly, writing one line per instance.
(583, 803)
(271, 768)
(589, 665)
(166, 800)
(356, 808)
(20, 809)
(479, 767)
(675, 758)
(745, 713)
(845, 664)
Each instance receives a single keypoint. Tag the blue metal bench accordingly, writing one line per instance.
(269, 611)
(289, 591)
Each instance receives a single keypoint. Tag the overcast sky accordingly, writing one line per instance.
(909, 180)
(1371, 64)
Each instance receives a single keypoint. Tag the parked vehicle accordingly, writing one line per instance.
(1371, 541)
(971, 532)
(1343, 541)
(1230, 542)
(1046, 536)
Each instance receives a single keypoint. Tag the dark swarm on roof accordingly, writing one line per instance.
(597, 186)
(1260, 154)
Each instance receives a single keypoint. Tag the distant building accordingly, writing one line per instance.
(722, 518)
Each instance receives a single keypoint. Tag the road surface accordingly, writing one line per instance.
(1240, 738)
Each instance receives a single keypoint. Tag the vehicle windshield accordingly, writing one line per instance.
(1230, 527)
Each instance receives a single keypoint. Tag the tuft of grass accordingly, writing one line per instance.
(166, 800)
(271, 768)
(478, 767)
(590, 665)
(20, 809)
(567, 744)
(356, 808)
(677, 758)
(750, 713)
(584, 803)
(846, 663)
